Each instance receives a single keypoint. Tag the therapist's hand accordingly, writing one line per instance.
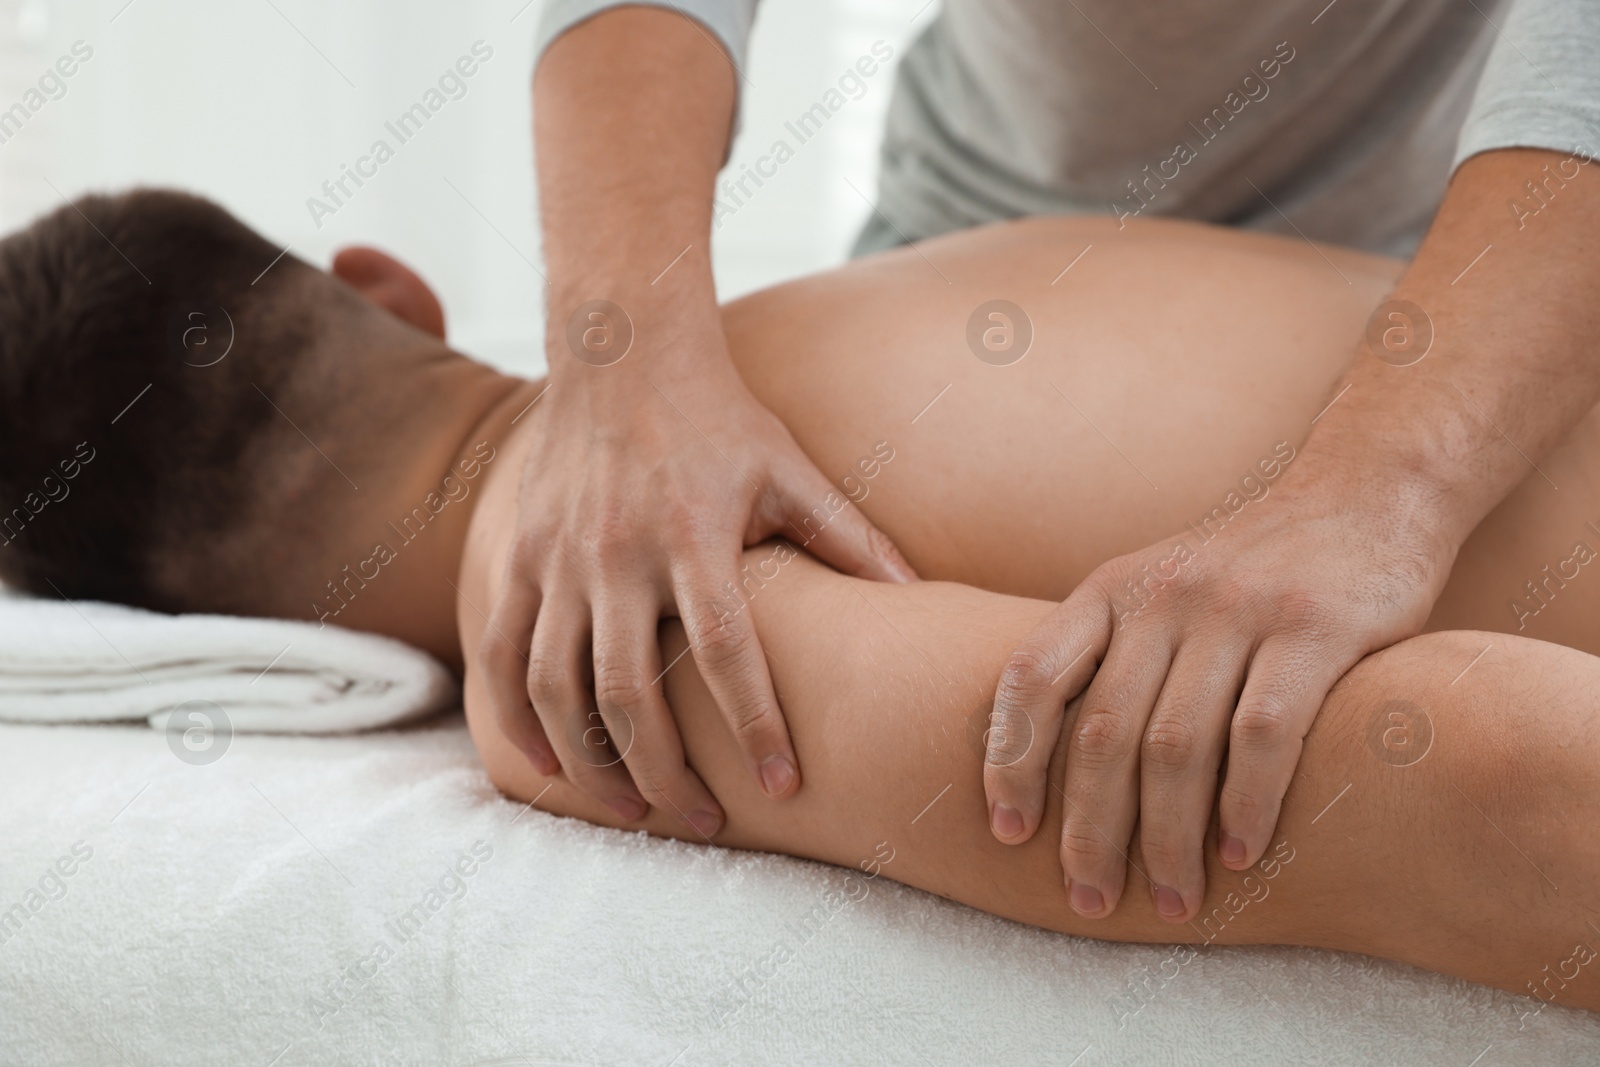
(647, 481)
(1467, 378)
(1266, 616)
(655, 466)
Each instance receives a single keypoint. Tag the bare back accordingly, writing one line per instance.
(1164, 367)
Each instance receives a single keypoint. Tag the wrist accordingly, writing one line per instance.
(668, 281)
(1396, 499)
(621, 339)
(1418, 445)
(646, 249)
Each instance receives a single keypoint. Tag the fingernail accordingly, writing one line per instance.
(1007, 821)
(1169, 903)
(703, 822)
(777, 774)
(1087, 901)
(630, 809)
(1231, 849)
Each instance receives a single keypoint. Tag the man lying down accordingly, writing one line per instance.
(340, 462)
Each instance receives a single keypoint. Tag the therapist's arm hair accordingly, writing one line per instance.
(1469, 853)
(632, 113)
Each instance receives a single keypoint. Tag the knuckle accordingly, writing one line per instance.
(1308, 613)
(751, 724)
(520, 725)
(657, 797)
(1002, 781)
(610, 540)
(1170, 745)
(1232, 595)
(544, 679)
(589, 779)
(702, 608)
(496, 654)
(620, 685)
(697, 529)
(1008, 740)
(528, 546)
(1243, 804)
(722, 641)
(592, 744)
(587, 734)
(1189, 589)
(655, 783)
(1026, 674)
(1109, 578)
(1162, 852)
(1084, 844)
(1102, 737)
(1261, 725)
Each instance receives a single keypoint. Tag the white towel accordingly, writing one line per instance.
(82, 661)
(370, 899)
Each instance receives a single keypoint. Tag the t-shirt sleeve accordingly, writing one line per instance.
(728, 21)
(1541, 86)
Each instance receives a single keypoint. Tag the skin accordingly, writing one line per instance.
(1460, 854)
(1240, 649)
(622, 519)
(1236, 656)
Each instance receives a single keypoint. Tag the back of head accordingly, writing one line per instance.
(152, 350)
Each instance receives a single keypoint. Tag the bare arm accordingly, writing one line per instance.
(886, 687)
(659, 466)
(887, 690)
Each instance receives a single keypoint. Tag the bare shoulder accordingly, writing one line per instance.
(489, 535)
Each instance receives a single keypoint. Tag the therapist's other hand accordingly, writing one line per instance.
(650, 477)
(1205, 648)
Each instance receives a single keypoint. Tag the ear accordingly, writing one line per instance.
(391, 285)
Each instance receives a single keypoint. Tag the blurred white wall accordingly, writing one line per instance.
(257, 102)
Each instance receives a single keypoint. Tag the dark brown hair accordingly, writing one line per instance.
(144, 338)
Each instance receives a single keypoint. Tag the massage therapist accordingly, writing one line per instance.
(1460, 131)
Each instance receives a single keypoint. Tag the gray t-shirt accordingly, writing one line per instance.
(1341, 122)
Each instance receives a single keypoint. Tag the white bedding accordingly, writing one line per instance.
(214, 913)
(83, 661)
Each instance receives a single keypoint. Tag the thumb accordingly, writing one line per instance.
(821, 520)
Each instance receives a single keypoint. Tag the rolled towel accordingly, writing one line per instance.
(83, 661)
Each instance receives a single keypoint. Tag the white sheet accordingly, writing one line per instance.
(220, 899)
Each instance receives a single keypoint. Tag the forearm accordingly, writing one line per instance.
(1514, 360)
(632, 111)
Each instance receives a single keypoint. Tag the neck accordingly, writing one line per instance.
(400, 578)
